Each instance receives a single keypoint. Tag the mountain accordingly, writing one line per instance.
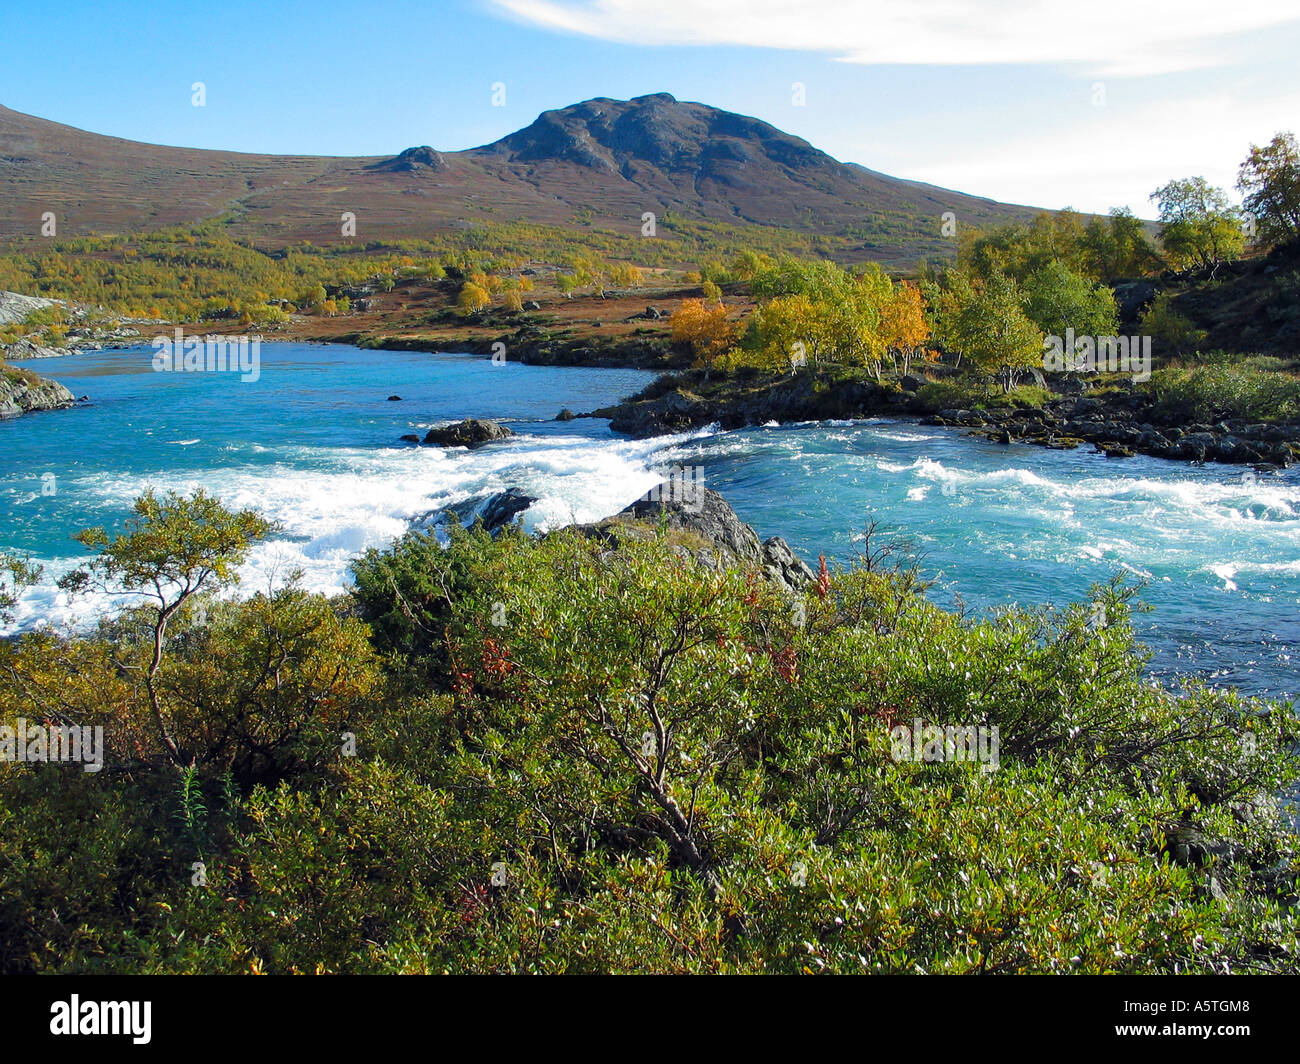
(602, 163)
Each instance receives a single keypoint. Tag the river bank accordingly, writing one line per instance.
(630, 331)
(24, 392)
(1120, 424)
(535, 346)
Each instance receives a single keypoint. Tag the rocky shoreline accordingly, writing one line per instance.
(1119, 425)
(25, 393)
(117, 340)
(83, 334)
(532, 346)
(1126, 425)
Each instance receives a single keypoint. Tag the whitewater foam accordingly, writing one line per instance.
(356, 499)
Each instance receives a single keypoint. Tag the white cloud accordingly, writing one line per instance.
(1113, 38)
(1115, 157)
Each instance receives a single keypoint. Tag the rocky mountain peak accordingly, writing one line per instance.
(657, 131)
(411, 160)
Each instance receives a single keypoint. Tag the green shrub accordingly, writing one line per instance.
(966, 393)
(406, 594)
(1171, 332)
(960, 394)
(633, 762)
(1026, 396)
(19, 376)
(1209, 393)
(267, 314)
(1270, 364)
(43, 316)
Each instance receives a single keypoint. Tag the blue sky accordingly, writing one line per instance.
(1045, 102)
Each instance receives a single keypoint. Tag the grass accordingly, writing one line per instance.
(969, 394)
(24, 376)
(1215, 392)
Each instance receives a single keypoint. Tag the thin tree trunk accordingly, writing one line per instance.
(155, 704)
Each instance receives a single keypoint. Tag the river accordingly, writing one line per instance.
(314, 444)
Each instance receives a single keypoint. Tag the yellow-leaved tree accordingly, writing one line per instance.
(903, 326)
(709, 331)
(472, 298)
(988, 325)
(788, 331)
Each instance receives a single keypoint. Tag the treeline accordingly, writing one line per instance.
(576, 755)
(1009, 289)
(188, 274)
(184, 273)
(977, 318)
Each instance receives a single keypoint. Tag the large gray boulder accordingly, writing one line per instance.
(22, 349)
(470, 433)
(707, 529)
(14, 307)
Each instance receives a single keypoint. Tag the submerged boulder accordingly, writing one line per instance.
(501, 509)
(494, 512)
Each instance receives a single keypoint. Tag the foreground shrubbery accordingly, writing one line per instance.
(578, 755)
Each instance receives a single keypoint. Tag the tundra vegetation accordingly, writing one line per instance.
(1213, 283)
(583, 755)
(575, 754)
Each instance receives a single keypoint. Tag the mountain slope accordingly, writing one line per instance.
(603, 162)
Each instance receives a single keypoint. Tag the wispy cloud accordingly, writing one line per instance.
(1111, 38)
(1081, 165)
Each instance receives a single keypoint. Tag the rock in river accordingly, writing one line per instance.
(470, 433)
(707, 528)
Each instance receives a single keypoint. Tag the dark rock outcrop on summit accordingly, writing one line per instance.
(659, 132)
(412, 160)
